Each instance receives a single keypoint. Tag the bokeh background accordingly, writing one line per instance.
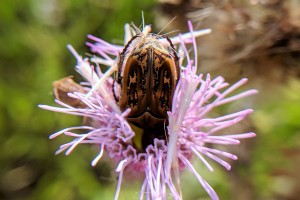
(257, 39)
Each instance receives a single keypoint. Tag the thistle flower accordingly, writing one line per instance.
(189, 130)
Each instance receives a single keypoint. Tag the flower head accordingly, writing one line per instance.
(189, 126)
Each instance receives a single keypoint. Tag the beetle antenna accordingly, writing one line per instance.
(164, 35)
(135, 29)
(166, 25)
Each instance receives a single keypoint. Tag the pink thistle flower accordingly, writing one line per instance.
(190, 127)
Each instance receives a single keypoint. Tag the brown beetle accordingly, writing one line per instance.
(148, 72)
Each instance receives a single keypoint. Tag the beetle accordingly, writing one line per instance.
(148, 72)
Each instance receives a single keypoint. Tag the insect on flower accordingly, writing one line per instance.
(148, 72)
(154, 117)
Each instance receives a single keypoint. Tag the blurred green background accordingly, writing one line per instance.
(33, 53)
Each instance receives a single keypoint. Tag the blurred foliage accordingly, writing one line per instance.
(277, 150)
(33, 38)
